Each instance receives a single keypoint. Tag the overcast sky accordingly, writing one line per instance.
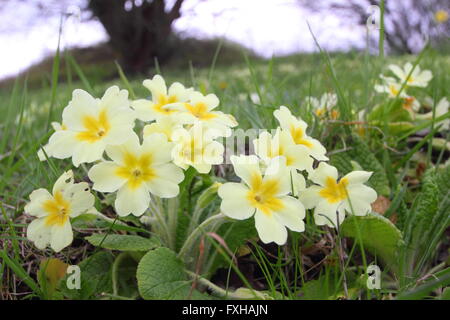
(267, 26)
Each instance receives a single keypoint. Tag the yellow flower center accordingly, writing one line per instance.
(262, 195)
(164, 100)
(136, 170)
(334, 192)
(200, 111)
(96, 128)
(320, 112)
(393, 90)
(298, 136)
(275, 152)
(58, 210)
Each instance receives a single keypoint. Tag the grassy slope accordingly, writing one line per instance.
(26, 113)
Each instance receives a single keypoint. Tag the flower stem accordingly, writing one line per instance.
(196, 233)
(172, 220)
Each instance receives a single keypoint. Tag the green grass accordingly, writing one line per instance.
(313, 264)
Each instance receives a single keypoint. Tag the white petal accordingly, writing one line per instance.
(263, 145)
(37, 199)
(213, 153)
(61, 236)
(80, 198)
(322, 172)
(362, 192)
(325, 213)
(119, 134)
(286, 119)
(310, 197)
(292, 214)
(299, 158)
(202, 167)
(278, 172)
(179, 91)
(234, 202)
(118, 152)
(165, 185)
(426, 76)
(39, 233)
(298, 182)
(358, 207)
(157, 86)
(81, 105)
(62, 144)
(104, 177)
(143, 109)
(132, 200)
(397, 71)
(157, 145)
(63, 182)
(316, 149)
(48, 152)
(211, 101)
(86, 152)
(269, 229)
(114, 100)
(246, 167)
(357, 177)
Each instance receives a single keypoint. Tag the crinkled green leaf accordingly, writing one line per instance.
(427, 204)
(378, 235)
(443, 180)
(161, 275)
(123, 242)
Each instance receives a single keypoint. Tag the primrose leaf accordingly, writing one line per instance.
(378, 235)
(161, 275)
(123, 242)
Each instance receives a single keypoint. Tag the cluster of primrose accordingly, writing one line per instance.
(183, 132)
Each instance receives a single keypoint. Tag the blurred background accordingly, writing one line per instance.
(140, 33)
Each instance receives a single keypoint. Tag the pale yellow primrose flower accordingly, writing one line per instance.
(47, 148)
(53, 212)
(418, 78)
(281, 144)
(323, 106)
(166, 125)
(148, 110)
(297, 129)
(296, 156)
(196, 148)
(391, 87)
(92, 124)
(265, 197)
(201, 107)
(331, 197)
(136, 171)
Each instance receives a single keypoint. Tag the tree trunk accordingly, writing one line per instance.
(139, 34)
